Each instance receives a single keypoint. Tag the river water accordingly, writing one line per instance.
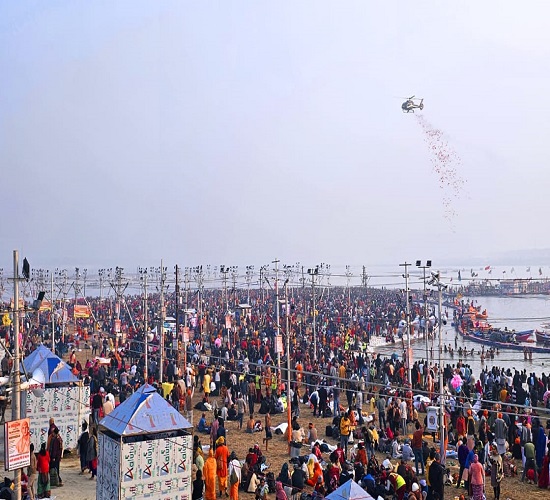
(516, 313)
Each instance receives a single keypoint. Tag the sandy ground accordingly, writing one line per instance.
(77, 487)
(511, 487)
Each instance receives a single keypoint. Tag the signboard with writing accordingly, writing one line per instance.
(69, 406)
(159, 468)
(17, 448)
(108, 468)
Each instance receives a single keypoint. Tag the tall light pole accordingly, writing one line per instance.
(16, 400)
(408, 320)
(349, 275)
(162, 277)
(143, 278)
(314, 272)
(276, 262)
(224, 270)
(249, 273)
(436, 281)
(288, 405)
(119, 286)
(199, 279)
(178, 298)
(425, 297)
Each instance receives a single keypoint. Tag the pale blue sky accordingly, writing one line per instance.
(236, 132)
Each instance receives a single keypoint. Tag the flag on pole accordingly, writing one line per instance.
(487, 268)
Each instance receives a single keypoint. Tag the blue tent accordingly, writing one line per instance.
(349, 491)
(144, 412)
(55, 370)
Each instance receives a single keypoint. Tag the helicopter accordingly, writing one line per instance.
(409, 105)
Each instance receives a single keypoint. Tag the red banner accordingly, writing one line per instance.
(81, 311)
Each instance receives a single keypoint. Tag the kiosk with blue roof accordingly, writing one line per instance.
(145, 450)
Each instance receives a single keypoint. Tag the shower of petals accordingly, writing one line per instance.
(446, 164)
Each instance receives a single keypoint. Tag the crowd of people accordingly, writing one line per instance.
(230, 370)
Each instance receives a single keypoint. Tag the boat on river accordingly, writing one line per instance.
(543, 337)
(490, 342)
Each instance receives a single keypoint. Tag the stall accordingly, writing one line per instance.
(145, 450)
(349, 491)
(65, 399)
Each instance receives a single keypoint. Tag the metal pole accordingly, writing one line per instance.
(16, 401)
(277, 319)
(288, 409)
(314, 320)
(51, 312)
(425, 315)
(408, 319)
(161, 364)
(442, 429)
(177, 313)
(145, 307)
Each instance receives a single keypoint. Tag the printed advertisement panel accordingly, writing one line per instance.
(68, 406)
(17, 448)
(157, 469)
(108, 468)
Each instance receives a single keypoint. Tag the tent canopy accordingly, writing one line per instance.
(144, 412)
(349, 491)
(55, 370)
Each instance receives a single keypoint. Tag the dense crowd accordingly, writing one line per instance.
(230, 367)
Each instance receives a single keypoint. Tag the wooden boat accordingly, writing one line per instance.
(481, 315)
(525, 336)
(482, 339)
(542, 337)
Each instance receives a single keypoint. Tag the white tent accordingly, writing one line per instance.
(349, 491)
(65, 399)
(145, 450)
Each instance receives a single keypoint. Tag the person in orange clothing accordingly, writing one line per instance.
(317, 473)
(234, 467)
(222, 460)
(361, 455)
(209, 475)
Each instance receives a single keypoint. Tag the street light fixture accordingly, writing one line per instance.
(435, 280)
(314, 272)
(425, 298)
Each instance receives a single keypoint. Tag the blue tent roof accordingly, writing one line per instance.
(55, 370)
(144, 412)
(36, 357)
(349, 491)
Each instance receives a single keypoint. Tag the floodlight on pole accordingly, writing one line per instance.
(428, 265)
(435, 281)
(408, 320)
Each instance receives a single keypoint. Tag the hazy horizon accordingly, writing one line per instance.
(240, 132)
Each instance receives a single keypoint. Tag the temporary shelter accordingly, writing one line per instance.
(65, 399)
(145, 450)
(349, 491)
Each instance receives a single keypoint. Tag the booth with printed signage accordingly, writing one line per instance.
(63, 398)
(145, 450)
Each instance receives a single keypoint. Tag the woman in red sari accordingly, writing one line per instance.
(544, 476)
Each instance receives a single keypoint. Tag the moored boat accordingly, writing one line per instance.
(542, 336)
(482, 339)
(525, 336)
